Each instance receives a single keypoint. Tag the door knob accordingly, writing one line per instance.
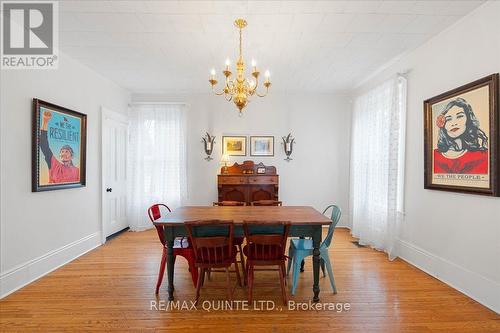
(109, 189)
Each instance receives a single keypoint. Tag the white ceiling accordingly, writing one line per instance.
(170, 46)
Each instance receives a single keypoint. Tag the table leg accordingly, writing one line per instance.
(316, 262)
(169, 237)
(303, 261)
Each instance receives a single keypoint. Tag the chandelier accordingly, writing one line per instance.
(239, 89)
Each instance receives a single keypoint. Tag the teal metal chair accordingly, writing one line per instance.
(301, 248)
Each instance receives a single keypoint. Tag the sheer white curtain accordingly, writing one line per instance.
(156, 160)
(377, 165)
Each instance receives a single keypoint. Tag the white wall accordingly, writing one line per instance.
(319, 172)
(40, 231)
(455, 237)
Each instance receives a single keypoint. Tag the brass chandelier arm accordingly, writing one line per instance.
(215, 92)
(262, 95)
(254, 89)
(267, 84)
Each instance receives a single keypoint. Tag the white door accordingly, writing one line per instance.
(114, 172)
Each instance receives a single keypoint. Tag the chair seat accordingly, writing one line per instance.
(221, 258)
(181, 243)
(269, 252)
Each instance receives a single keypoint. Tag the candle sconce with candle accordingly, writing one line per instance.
(288, 142)
(208, 144)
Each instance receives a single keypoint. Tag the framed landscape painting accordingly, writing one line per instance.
(58, 147)
(461, 139)
(262, 146)
(234, 145)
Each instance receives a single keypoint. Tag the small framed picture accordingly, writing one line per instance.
(261, 170)
(58, 147)
(262, 146)
(234, 145)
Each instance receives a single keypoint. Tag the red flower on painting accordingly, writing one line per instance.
(440, 121)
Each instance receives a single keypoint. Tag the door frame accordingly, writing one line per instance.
(106, 114)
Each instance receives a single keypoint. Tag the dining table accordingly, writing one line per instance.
(305, 221)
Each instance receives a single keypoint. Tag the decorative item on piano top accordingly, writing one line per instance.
(224, 161)
(208, 145)
(288, 142)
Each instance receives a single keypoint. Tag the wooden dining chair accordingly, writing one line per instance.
(266, 242)
(229, 203)
(182, 247)
(267, 203)
(213, 248)
(238, 240)
(302, 248)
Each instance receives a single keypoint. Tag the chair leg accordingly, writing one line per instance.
(330, 272)
(297, 260)
(242, 261)
(237, 273)
(284, 271)
(323, 267)
(203, 277)
(162, 270)
(250, 281)
(229, 288)
(192, 270)
(282, 284)
(290, 259)
(198, 285)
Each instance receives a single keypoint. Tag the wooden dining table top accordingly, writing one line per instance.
(298, 215)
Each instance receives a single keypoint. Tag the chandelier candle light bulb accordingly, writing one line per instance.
(239, 89)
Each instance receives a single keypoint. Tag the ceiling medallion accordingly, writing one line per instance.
(239, 89)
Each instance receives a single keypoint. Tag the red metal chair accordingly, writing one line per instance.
(213, 248)
(182, 247)
(266, 242)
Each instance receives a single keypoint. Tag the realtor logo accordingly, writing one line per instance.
(29, 35)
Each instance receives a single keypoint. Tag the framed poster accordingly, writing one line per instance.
(262, 146)
(461, 139)
(58, 154)
(234, 145)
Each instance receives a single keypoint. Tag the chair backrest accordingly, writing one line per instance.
(267, 203)
(335, 217)
(230, 203)
(154, 213)
(212, 240)
(266, 239)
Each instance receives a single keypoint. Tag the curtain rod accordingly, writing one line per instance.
(158, 103)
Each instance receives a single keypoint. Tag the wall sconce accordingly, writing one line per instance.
(288, 142)
(208, 145)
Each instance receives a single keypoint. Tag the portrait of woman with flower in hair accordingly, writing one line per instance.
(461, 139)
(462, 146)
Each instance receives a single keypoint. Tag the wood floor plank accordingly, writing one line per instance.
(111, 289)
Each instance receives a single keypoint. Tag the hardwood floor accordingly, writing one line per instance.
(111, 289)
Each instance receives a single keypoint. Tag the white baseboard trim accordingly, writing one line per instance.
(476, 286)
(22, 275)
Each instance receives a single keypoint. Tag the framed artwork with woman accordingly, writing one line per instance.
(461, 139)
